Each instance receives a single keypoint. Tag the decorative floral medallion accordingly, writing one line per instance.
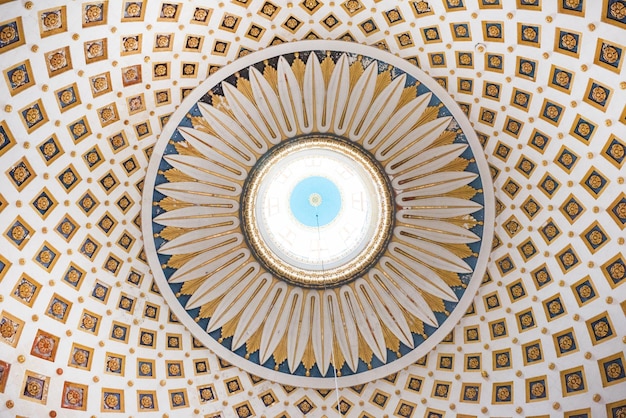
(318, 213)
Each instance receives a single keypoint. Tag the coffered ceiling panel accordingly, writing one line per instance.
(86, 90)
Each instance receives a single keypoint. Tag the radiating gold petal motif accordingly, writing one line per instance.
(403, 295)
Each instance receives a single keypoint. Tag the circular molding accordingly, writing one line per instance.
(402, 305)
(335, 253)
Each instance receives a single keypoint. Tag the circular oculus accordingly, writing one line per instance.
(317, 211)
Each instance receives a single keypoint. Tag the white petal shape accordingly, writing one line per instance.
(210, 208)
(298, 329)
(202, 169)
(337, 94)
(199, 240)
(276, 324)
(198, 217)
(435, 184)
(313, 90)
(291, 96)
(422, 277)
(257, 306)
(345, 329)
(207, 265)
(213, 147)
(386, 307)
(438, 231)
(431, 254)
(322, 329)
(406, 296)
(426, 162)
(406, 144)
(404, 119)
(231, 131)
(235, 291)
(247, 114)
(437, 207)
(268, 103)
(380, 112)
(233, 270)
(367, 321)
(360, 100)
(199, 193)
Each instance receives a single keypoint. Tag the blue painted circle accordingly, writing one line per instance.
(305, 205)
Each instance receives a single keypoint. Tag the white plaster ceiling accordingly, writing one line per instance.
(543, 85)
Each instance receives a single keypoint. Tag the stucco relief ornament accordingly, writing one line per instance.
(318, 209)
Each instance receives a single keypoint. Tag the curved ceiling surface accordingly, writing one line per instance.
(429, 214)
(87, 89)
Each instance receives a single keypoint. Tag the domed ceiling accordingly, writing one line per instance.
(89, 87)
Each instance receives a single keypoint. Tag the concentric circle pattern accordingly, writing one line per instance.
(319, 240)
(340, 304)
(85, 91)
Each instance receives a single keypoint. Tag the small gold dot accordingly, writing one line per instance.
(556, 405)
